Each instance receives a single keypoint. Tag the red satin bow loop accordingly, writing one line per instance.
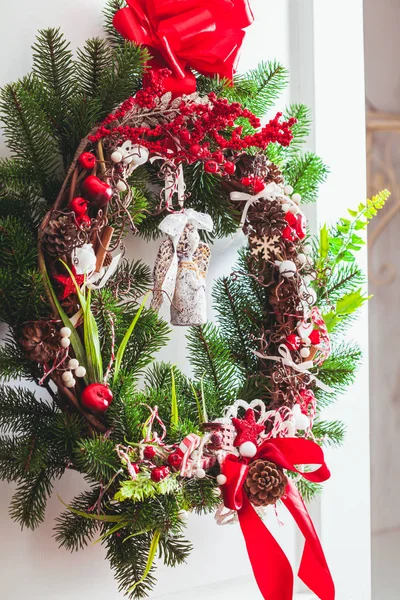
(205, 35)
(271, 567)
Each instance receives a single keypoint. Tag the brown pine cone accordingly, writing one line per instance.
(71, 304)
(40, 341)
(62, 235)
(265, 483)
(266, 218)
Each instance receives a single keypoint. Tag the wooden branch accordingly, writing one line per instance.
(104, 244)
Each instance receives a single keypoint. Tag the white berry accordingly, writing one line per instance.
(66, 376)
(305, 352)
(183, 515)
(287, 268)
(80, 372)
(65, 332)
(200, 473)
(307, 248)
(288, 190)
(73, 364)
(302, 258)
(296, 198)
(121, 186)
(65, 342)
(247, 449)
(221, 479)
(294, 209)
(70, 383)
(306, 341)
(286, 207)
(116, 156)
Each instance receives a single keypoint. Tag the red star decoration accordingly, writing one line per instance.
(67, 285)
(247, 428)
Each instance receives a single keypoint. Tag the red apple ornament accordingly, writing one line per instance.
(149, 452)
(87, 160)
(96, 397)
(174, 459)
(79, 205)
(159, 473)
(98, 192)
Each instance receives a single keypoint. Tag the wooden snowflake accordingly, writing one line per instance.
(265, 246)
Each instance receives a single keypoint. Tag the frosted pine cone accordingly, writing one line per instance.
(265, 483)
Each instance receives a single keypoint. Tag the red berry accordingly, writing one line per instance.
(84, 220)
(96, 191)
(229, 168)
(87, 160)
(211, 166)
(217, 439)
(288, 233)
(149, 452)
(79, 205)
(96, 397)
(159, 473)
(293, 341)
(301, 226)
(174, 459)
(315, 337)
(291, 219)
(194, 149)
(218, 157)
(135, 467)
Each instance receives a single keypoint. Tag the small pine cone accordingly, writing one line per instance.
(71, 305)
(267, 218)
(265, 483)
(40, 341)
(62, 235)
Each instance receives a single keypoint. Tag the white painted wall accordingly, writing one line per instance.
(292, 31)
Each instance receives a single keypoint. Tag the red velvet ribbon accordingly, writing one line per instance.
(205, 35)
(270, 565)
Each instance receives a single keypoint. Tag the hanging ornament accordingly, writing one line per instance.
(247, 429)
(98, 192)
(181, 267)
(159, 473)
(96, 397)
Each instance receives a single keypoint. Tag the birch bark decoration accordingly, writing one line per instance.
(181, 267)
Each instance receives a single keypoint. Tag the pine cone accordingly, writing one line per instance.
(62, 235)
(71, 304)
(266, 218)
(265, 483)
(40, 341)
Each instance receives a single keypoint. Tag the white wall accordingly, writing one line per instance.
(293, 32)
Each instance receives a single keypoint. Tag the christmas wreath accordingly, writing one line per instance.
(192, 163)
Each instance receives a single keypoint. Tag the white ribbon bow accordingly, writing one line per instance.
(270, 192)
(286, 359)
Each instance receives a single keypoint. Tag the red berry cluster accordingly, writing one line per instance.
(201, 131)
(256, 183)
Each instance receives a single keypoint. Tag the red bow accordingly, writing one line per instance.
(205, 35)
(271, 567)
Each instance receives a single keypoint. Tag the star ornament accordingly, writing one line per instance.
(247, 429)
(66, 285)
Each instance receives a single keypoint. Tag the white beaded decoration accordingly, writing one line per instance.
(65, 342)
(221, 479)
(70, 383)
(80, 371)
(200, 473)
(121, 186)
(296, 198)
(305, 352)
(287, 268)
(65, 332)
(183, 515)
(286, 207)
(66, 376)
(116, 156)
(247, 449)
(288, 190)
(294, 209)
(73, 364)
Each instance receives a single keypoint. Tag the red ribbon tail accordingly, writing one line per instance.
(314, 570)
(271, 568)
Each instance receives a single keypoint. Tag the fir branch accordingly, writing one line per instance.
(338, 371)
(93, 60)
(305, 173)
(28, 504)
(114, 38)
(97, 458)
(329, 433)
(73, 531)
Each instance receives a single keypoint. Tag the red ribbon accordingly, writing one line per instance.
(205, 35)
(270, 565)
